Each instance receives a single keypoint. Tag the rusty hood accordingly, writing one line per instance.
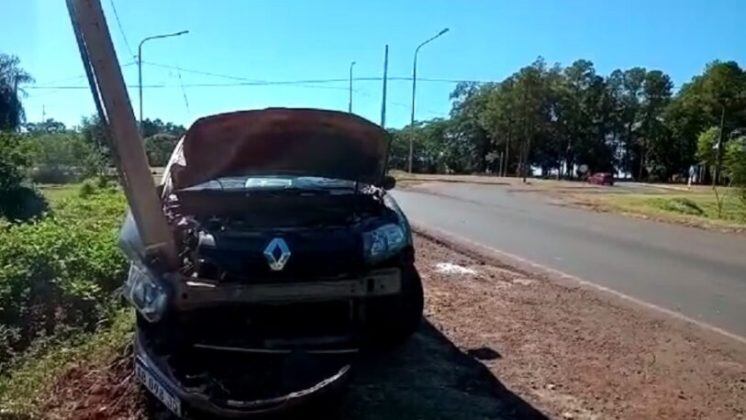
(280, 141)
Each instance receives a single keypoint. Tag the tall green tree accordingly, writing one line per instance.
(713, 99)
(12, 80)
(656, 149)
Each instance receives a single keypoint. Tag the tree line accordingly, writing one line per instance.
(558, 120)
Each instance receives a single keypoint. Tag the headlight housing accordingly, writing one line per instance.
(383, 242)
(146, 293)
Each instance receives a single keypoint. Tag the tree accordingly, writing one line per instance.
(61, 157)
(496, 118)
(18, 201)
(159, 147)
(717, 98)
(49, 126)
(735, 165)
(706, 143)
(555, 117)
(624, 91)
(156, 126)
(12, 79)
(655, 149)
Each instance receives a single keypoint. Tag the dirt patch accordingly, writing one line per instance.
(575, 353)
(97, 392)
(499, 343)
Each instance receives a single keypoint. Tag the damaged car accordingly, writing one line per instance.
(293, 256)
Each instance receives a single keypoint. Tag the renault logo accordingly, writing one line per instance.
(277, 254)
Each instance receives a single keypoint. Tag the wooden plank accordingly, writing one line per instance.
(139, 187)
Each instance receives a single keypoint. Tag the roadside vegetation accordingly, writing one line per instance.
(60, 270)
(699, 209)
(60, 266)
(558, 120)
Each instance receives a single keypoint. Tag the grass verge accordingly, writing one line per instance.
(26, 387)
(697, 209)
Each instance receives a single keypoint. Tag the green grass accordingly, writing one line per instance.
(56, 193)
(57, 301)
(697, 208)
(27, 384)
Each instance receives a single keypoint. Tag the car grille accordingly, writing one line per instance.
(313, 254)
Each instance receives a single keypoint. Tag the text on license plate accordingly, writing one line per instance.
(146, 378)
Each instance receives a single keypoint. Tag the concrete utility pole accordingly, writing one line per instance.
(115, 110)
(349, 108)
(385, 79)
(139, 64)
(414, 89)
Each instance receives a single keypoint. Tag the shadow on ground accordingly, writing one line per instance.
(426, 378)
(429, 378)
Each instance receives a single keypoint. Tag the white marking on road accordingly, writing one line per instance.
(512, 259)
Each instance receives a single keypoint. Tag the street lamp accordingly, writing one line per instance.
(349, 108)
(139, 64)
(414, 87)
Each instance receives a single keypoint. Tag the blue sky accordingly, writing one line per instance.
(300, 40)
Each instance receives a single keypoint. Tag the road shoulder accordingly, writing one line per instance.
(576, 352)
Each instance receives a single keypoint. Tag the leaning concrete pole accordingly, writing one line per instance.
(114, 108)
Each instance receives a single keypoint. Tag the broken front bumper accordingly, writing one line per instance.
(236, 350)
(192, 293)
(154, 372)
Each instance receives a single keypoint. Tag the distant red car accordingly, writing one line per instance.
(601, 178)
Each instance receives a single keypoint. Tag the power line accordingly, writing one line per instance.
(370, 79)
(311, 83)
(119, 24)
(246, 81)
(80, 76)
(183, 92)
(204, 73)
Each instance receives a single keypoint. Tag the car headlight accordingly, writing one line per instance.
(146, 293)
(383, 242)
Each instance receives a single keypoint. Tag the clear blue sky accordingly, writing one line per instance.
(296, 40)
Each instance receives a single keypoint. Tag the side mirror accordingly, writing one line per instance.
(389, 182)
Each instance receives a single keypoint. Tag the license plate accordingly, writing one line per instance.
(151, 383)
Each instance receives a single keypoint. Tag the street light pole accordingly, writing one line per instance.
(414, 89)
(139, 64)
(349, 108)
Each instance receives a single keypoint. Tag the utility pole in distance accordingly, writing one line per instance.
(385, 79)
(139, 64)
(414, 89)
(349, 107)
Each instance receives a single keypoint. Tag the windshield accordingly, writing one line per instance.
(275, 183)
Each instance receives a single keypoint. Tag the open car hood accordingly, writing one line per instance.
(280, 141)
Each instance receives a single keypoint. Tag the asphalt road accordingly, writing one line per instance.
(698, 273)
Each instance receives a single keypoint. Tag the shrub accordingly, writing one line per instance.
(62, 157)
(87, 189)
(58, 273)
(18, 201)
(735, 165)
(22, 203)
